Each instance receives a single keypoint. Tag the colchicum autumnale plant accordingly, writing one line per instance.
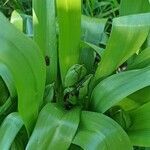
(76, 80)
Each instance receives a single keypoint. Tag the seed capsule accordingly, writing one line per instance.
(74, 74)
(83, 89)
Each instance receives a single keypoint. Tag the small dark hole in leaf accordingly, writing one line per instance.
(47, 60)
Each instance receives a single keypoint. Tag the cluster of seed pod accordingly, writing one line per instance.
(76, 85)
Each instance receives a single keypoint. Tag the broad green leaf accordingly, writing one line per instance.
(21, 56)
(142, 60)
(133, 6)
(69, 21)
(139, 132)
(99, 132)
(55, 128)
(132, 32)
(116, 87)
(92, 29)
(44, 28)
(9, 129)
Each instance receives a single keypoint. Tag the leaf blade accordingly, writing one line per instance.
(132, 31)
(96, 131)
(116, 87)
(56, 128)
(25, 63)
(9, 129)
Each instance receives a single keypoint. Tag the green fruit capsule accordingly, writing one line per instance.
(74, 75)
(83, 89)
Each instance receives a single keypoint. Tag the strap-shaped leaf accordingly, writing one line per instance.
(9, 129)
(141, 61)
(116, 87)
(99, 132)
(25, 63)
(133, 6)
(44, 28)
(69, 20)
(139, 132)
(127, 36)
(54, 129)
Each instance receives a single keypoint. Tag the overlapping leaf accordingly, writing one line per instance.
(54, 129)
(140, 61)
(9, 129)
(23, 59)
(116, 87)
(97, 131)
(44, 27)
(127, 36)
(69, 20)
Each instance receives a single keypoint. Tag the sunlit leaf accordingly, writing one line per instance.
(69, 20)
(55, 128)
(44, 27)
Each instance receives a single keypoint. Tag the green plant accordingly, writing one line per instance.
(66, 87)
